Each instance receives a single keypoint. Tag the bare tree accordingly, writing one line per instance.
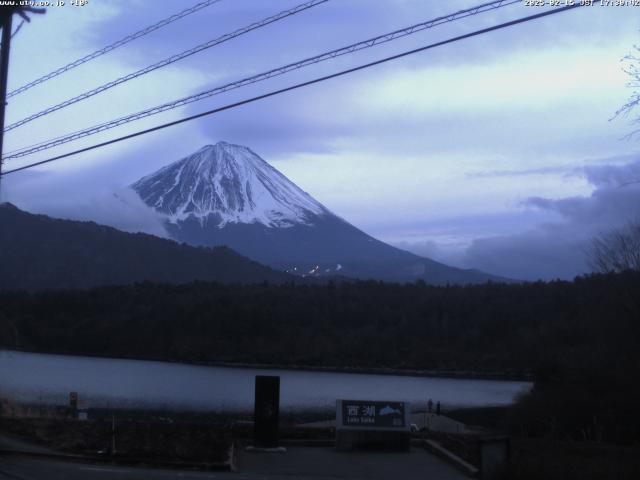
(631, 66)
(617, 250)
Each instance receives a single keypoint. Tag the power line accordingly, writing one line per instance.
(299, 85)
(8, 155)
(129, 38)
(167, 61)
(15, 32)
(262, 76)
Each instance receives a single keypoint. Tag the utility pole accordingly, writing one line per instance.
(6, 17)
(4, 74)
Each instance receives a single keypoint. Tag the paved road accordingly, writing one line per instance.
(22, 468)
(297, 463)
(9, 443)
(320, 463)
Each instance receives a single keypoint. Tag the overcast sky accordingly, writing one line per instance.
(495, 152)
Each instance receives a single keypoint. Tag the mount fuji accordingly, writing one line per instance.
(225, 194)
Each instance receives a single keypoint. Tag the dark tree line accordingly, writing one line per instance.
(368, 324)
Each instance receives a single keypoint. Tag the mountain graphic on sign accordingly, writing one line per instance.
(389, 411)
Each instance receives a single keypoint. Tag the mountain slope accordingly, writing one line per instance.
(39, 252)
(224, 183)
(225, 194)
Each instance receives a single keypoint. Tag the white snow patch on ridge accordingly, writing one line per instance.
(227, 183)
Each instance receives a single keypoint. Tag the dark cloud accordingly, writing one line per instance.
(616, 171)
(608, 205)
(614, 175)
(547, 252)
(557, 250)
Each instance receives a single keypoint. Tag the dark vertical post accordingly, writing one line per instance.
(266, 411)
(113, 434)
(4, 75)
(73, 404)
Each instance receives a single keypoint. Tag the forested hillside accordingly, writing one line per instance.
(38, 252)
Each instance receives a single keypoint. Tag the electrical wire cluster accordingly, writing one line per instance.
(368, 43)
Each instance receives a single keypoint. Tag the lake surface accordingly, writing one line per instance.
(104, 382)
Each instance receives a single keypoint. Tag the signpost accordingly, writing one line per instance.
(267, 411)
(367, 423)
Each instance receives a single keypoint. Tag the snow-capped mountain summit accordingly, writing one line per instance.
(225, 183)
(225, 194)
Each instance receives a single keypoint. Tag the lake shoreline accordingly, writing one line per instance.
(453, 374)
(106, 382)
